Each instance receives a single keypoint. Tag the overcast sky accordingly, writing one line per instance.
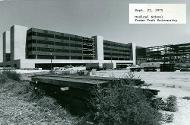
(108, 18)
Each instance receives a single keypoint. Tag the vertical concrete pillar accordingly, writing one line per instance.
(1, 50)
(6, 45)
(134, 53)
(114, 65)
(100, 50)
(18, 42)
(100, 65)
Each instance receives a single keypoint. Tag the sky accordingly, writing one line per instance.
(108, 18)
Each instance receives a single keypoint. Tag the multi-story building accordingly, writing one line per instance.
(37, 48)
(177, 53)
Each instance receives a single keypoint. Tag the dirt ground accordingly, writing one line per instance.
(14, 110)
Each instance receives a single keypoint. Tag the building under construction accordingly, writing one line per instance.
(178, 53)
(164, 58)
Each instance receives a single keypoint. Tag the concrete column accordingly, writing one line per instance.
(18, 42)
(100, 65)
(100, 50)
(1, 50)
(134, 53)
(114, 65)
(6, 44)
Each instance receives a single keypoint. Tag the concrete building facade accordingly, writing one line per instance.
(6, 46)
(38, 48)
(1, 50)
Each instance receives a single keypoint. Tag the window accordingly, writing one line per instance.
(87, 57)
(50, 35)
(107, 58)
(45, 42)
(76, 51)
(62, 57)
(44, 57)
(75, 39)
(61, 44)
(59, 37)
(31, 49)
(62, 50)
(76, 57)
(31, 56)
(75, 45)
(44, 49)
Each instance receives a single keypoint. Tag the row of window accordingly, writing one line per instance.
(116, 54)
(117, 49)
(44, 57)
(88, 53)
(45, 42)
(114, 58)
(69, 44)
(71, 57)
(116, 44)
(57, 57)
(43, 34)
(31, 33)
(88, 57)
(61, 36)
(90, 41)
(53, 50)
(88, 47)
(56, 43)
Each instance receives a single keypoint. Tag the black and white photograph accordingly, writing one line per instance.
(94, 62)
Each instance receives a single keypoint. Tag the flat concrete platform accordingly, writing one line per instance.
(85, 80)
(82, 82)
